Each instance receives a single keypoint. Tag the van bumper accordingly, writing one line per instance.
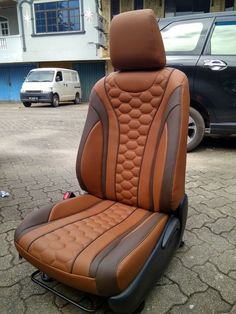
(36, 97)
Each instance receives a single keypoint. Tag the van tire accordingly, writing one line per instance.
(196, 129)
(77, 98)
(55, 100)
(27, 104)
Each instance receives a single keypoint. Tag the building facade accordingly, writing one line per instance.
(49, 33)
(71, 34)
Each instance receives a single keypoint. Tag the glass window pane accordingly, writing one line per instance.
(223, 40)
(182, 37)
(74, 4)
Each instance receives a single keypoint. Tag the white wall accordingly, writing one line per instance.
(60, 47)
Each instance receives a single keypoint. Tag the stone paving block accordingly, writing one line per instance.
(39, 304)
(208, 302)
(10, 301)
(187, 280)
(10, 213)
(197, 255)
(226, 262)
(222, 225)
(216, 241)
(217, 202)
(224, 284)
(9, 225)
(5, 262)
(4, 245)
(197, 221)
(14, 274)
(229, 210)
(168, 296)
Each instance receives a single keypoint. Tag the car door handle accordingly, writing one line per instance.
(215, 65)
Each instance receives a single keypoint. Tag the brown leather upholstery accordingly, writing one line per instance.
(131, 161)
(136, 31)
(142, 110)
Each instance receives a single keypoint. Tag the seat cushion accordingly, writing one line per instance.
(91, 244)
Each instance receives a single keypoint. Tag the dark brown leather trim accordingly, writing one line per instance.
(173, 101)
(92, 119)
(33, 220)
(95, 263)
(108, 266)
(98, 106)
(173, 124)
(68, 223)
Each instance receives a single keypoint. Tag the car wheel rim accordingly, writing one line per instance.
(56, 101)
(192, 129)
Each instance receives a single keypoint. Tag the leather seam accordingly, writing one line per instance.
(139, 243)
(158, 142)
(103, 170)
(120, 237)
(100, 236)
(70, 223)
(117, 151)
(157, 110)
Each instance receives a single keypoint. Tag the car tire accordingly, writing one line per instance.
(55, 100)
(196, 129)
(77, 98)
(27, 104)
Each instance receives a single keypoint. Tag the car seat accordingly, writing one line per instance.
(116, 240)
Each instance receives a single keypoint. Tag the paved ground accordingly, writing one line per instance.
(38, 150)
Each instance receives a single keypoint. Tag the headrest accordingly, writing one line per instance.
(136, 42)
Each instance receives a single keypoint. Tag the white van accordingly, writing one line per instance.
(51, 85)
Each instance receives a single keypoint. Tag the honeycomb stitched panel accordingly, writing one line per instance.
(62, 246)
(135, 112)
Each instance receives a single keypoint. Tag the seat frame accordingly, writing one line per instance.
(134, 295)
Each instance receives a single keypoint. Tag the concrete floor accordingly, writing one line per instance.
(37, 164)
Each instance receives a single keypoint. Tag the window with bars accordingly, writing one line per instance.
(57, 16)
(4, 27)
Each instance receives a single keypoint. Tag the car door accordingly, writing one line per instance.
(183, 41)
(215, 80)
(60, 86)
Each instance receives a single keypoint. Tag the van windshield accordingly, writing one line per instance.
(40, 76)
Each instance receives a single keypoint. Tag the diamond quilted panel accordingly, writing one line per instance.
(135, 112)
(61, 247)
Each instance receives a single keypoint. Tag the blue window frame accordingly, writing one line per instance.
(58, 16)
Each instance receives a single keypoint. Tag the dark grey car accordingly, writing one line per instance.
(204, 47)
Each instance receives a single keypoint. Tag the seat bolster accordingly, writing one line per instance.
(56, 211)
(120, 266)
(32, 220)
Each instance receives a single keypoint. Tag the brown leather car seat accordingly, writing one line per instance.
(116, 240)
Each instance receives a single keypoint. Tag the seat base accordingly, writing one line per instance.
(154, 267)
(132, 298)
(96, 304)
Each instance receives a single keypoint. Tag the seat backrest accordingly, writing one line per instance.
(133, 148)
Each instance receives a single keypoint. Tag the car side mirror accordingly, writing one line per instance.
(58, 79)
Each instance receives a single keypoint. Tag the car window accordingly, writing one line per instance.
(182, 37)
(67, 76)
(74, 76)
(223, 39)
(59, 76)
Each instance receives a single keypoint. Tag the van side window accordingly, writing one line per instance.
(182, 37)
(223, 39)
(59, 76)
(67, 76)
(74, 77)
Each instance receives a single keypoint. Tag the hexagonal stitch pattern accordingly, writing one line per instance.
(61, 247)
(135, 112)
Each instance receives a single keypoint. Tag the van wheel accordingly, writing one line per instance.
(196, 129)
(77, 99)
(55, 100)
(27, 104)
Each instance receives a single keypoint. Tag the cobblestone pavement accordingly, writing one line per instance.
(37, 158)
